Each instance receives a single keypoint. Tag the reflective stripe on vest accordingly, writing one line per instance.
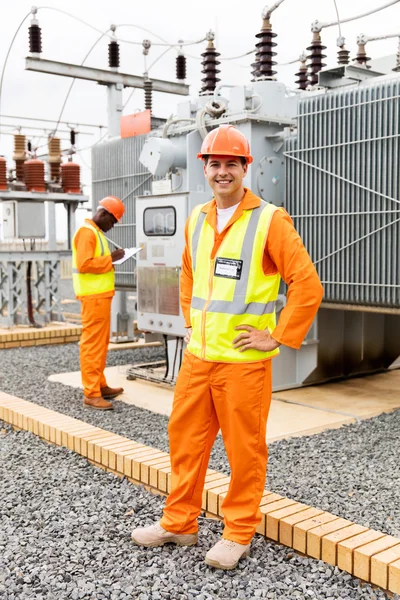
(221, 305)
(88, 284)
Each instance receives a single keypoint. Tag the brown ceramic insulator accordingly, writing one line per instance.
(34, 175)
(181, 66)
(70, 178)
(3, 173)
(35, 39)
(19, 168)
(148, 94)
(54, 159)
(315, 57)
(302, 77)
(343, 56)
(263, 67)
(113, 55)
(362, 59)
(210, 64)
(255, 72)
(55, 172)
(19, 147)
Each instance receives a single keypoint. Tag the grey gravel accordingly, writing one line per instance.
(64, 530)
(64, 533)
(353, 472)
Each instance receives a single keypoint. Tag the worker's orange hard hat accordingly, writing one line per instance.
(113, 205)
(226, 140)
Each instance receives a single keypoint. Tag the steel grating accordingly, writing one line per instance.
(343, 190)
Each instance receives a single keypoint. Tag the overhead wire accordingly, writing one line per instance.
(8, 54)
(338, 18)
(360, 16)
(73, 81)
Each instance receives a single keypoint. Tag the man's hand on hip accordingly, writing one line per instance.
(254, 339)
(188, 335)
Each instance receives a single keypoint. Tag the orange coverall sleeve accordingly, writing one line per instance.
(85, 242)
(186, 279)
(286, 250)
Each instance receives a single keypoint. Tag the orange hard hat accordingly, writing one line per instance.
(113, 205)
(226, 140)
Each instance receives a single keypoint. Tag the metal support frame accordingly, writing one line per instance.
(121, 321)
(102, 76)
(47, 273)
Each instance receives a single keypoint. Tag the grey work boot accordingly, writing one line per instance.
(155, 535)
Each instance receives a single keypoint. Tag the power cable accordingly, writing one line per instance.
(338, 18)
(319, 25)
(73, 81)
(8, 54)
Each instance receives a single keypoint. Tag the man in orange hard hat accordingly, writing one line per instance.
(93, 279)
(237, 249)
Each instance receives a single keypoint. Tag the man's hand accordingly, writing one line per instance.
(254, 339)
(188, 335)
(117, 254)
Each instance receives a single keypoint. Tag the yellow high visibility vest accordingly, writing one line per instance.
(231, 289)
(89, 284)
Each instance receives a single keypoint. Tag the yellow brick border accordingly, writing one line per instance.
(370, 555)
(51, 334)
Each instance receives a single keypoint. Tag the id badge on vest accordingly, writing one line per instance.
(228, 267)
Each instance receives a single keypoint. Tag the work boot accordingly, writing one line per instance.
(226, 554)
(155, 535)
(110, 393)
(98, 403)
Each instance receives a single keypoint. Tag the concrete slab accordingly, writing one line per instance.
(303, 411)
(361, 396)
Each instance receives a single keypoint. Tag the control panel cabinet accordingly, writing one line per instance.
(160, 230)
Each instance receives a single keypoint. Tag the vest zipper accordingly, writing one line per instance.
(204, 311)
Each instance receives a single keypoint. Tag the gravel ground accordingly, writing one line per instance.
(64, 533)
(352, 472)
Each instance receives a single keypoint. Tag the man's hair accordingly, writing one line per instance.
(242, 159)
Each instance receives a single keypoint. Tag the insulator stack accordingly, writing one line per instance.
(113, 55)
(34, 175)
(70, 178)
(315, 57)
(302, 78)
(35, 39)
(55, 159)
(343, 56)
(210, 70)
(362, 59)
(19, 155)
(148, 94)
(255, 72)
(72, 137)
(3, 173)
(263, 67)
(181, 66)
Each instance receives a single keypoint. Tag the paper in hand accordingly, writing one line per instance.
(129, 252)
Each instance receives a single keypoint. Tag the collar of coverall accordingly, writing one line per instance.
(249, 201)
(93, 224)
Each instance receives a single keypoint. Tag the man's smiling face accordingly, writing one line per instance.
(225, 174)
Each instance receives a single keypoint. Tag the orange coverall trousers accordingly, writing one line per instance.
(96, 316)
(236, 399)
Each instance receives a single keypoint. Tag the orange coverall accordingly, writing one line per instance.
(96, 315)
(234, 397)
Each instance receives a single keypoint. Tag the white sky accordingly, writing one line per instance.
(235, 21)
